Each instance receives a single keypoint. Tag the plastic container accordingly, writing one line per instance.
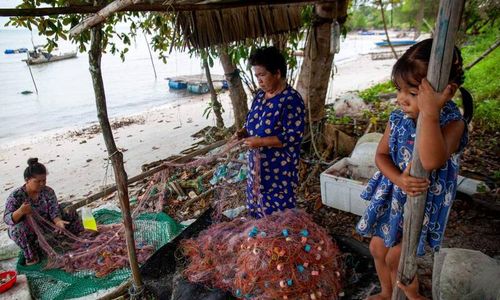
(341, 192)
(10, 283)
(88, 220)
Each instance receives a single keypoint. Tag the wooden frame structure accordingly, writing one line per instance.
(439, 67)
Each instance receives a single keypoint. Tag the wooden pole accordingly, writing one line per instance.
(216, 105)
(150, 55)
(32, 78)
(157, 5)
(438, 75)
(385, 29)
(116, 156)
(85, 201)
(482, 56)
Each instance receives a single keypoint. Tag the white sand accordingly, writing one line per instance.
(77, 165)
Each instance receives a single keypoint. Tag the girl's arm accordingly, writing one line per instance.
(436, 144)
(410, 185)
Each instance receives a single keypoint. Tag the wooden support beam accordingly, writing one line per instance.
(85, 201)
(116, 157)
(101, 15)
(438, 73)
(156, 6)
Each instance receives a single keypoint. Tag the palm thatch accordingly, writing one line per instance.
(208, 28)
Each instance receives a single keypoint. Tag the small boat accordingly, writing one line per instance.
(177, 84)
(396, 43)
(198, 87)
(41, 56)
(197, 84)
(15, 51)
(366, 32)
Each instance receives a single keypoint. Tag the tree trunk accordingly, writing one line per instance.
(236, 91)
(419, 18)
(438, 74)
(115, 156)
(217, 107)
(385, 29)
(316, 67)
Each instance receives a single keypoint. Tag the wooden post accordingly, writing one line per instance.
(216, 105)
(115, 156)
(438, 75)
(385, 29)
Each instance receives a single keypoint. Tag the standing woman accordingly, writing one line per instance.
(34, 195)
(273, 131)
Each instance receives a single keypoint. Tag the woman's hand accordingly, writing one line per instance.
(412, 186)
(253, 142)
(430, 102)
(60, 223)
(25, 209)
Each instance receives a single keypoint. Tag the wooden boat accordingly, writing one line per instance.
(197, 84)
(15, 51)
(396, 43)
(41, 56)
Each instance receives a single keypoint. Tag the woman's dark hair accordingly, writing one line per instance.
(34, 168)
(412, 68)
(270, 58)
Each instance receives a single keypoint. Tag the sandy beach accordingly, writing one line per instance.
(77, 158)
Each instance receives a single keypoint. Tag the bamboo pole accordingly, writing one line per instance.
(116, 156)
(85, 201)
(438, 75)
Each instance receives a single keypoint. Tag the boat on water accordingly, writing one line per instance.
(396, 43)
(16, 51)
(41, 56)
(197, 84)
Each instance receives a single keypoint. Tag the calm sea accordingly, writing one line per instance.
(65, 95)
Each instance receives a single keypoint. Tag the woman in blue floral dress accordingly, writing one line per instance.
(34, 195)
(443, 136)
(274, 128)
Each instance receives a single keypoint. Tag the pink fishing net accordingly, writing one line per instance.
(106, 251)
(282, 256)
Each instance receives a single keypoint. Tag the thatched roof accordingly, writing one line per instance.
(203, 23)
(207, 28)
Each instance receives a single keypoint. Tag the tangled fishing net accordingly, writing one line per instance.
(105, 250)
(282, 256)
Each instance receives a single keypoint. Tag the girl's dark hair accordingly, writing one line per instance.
(270, 58)
(34, 168)
(412, 67)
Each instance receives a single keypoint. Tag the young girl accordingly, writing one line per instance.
(442, 137)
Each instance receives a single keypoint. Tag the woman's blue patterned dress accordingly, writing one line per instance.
(281, 116)
(384, 215)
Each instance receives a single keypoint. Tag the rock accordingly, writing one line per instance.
(465, 274)
(8, 249)
(350, 104)
(372, 137)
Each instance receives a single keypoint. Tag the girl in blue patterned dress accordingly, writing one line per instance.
(273, 131)
(34, 195)
(443, 136)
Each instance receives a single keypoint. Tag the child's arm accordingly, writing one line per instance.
(410, 185)
(436, 144)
